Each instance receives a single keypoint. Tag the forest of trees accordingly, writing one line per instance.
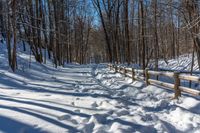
(118, 31)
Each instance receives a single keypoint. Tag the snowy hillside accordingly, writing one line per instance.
(182, 63)
(87, 98)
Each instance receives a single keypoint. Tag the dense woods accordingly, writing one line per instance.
(85, 31)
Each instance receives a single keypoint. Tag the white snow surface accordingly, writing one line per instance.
(87, 98)
(182, 63)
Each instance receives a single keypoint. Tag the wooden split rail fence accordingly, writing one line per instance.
(176, 76)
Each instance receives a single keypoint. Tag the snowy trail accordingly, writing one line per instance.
(44, 100)
(89, 98)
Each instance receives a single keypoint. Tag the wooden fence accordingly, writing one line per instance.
(146, 74)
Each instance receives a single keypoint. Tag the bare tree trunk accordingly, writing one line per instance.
(8, 40)
(14, 54)
(142, 34)
(128, 57)
(156, 47)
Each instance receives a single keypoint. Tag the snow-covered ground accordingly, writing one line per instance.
(182, 63)
(87, 98)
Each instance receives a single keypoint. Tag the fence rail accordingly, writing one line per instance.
(146, 76)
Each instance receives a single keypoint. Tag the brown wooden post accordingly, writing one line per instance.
(133, 74)
(115, 68)
(176, 85)
(147, 76)
(125, 71)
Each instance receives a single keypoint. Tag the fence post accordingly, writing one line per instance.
(133, 74)
(120, 69)
(125, 71)
(115, 68)
(176, 85)
(147, 76)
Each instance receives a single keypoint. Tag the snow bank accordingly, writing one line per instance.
(181, 63)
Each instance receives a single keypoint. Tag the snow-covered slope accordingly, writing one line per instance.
(87, 98)
(182, 63)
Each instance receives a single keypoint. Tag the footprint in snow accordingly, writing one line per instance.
(25, 83)
(149, 117)
(120, 93)
(74, 121)
(77, 111)
(88, 128)
(77, 90)
(72, 103)
(35, 125)
(84, 90)
(47, 95)
(68, 118)
(64, 117)
(94, 105)
(98, 118)
(53, 78)
(122, 112)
